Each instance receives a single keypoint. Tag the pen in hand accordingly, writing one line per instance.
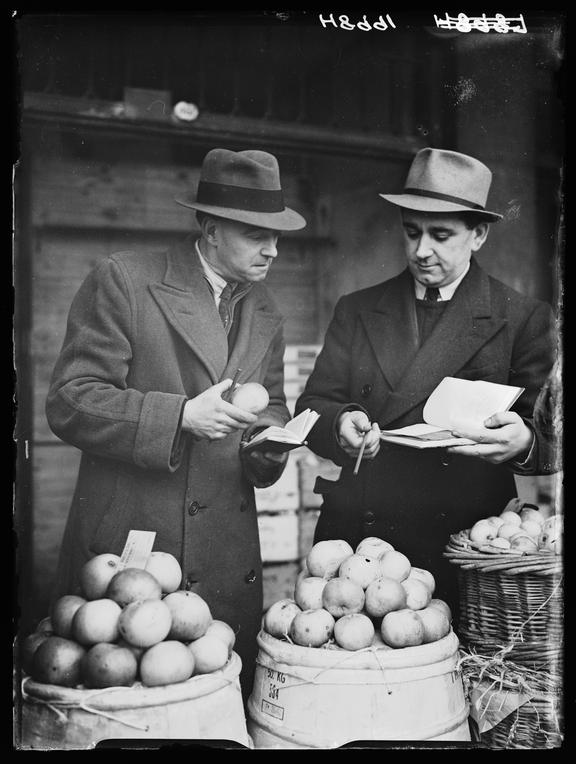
(227, 394)
(361, 452)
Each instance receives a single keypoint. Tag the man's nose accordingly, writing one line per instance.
(424, 248)
(269, 249)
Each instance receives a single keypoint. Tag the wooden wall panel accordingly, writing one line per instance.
(54, 477)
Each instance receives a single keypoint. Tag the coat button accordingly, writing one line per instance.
(445, 460)
(194, 507)
(366, 390)
(250, 577)
(369, 518)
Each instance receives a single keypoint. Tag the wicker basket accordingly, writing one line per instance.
(535, 724)
(511, 602)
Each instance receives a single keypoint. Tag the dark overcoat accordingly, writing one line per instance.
(371, 360)
(143, 336)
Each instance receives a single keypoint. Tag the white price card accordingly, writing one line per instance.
(137, 549)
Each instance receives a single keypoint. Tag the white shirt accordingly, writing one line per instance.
(214, 279)
(446, 292)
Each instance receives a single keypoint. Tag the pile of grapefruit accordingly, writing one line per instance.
(354, 599)
(129, 625)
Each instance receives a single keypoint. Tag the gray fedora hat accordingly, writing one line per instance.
(445, 181)
(243, 186)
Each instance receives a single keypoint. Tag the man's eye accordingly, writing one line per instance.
(411, 234)
(441, 236)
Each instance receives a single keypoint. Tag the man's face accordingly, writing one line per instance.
(438, 246)
(243, 253)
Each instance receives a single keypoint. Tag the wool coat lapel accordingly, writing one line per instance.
(465, 326)
(188, 305)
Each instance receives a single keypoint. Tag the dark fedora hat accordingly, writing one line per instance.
(243, 186)
(445, 181)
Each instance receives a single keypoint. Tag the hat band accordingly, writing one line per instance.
(444, 197)
(236, 197)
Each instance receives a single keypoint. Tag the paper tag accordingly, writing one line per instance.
(137, 549)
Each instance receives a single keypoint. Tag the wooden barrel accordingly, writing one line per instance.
(324, 698)
(205, 707)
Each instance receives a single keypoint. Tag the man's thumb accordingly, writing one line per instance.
(224, 385)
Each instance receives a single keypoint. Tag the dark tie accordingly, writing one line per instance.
(432, 294)
(224, 306)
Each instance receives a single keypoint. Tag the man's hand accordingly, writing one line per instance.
(504, 436)
(209, 417)
(352, 427)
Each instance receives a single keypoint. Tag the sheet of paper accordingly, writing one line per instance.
(459, 402)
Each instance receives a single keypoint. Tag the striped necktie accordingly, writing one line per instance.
(224, 305)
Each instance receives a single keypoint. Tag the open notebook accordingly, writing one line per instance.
(280, 439)
(455, 403)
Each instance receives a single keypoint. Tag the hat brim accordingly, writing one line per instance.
(427, 204)
(287, 220)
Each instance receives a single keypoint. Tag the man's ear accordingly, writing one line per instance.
(480, 235)
(209, 229)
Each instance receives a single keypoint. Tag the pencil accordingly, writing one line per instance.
(361, 452)
(228, 393)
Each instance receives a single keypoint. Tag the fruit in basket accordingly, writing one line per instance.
(45, 626)
(372, 546)
(360, 569)
(551, 536)
(443, 606)
(210, 654)
(395, 565)
(402, 628)
(63, 612)
(508, 530)
(482, 531)
(133, 584)
(137, 652)
(144, 623)
(96, 621)
(97, 573)
(251, 396)
(308, 592)
(436, 623)
(354, 631)
(423, 575)
(222, 631)
(383, 596)
(342, 596)
(499, 544)
(57, 661)
(510, 517)
(312, 628)
(418, 595)
(109, 665)
(325, 557)
(191, 615)
(495, 520)
(533, 515)
(166, 570)
(531, 527)
(167, 662)
(279, 616)
(522, 542)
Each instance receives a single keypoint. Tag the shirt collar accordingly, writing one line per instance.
(216, 281)
(446, 292)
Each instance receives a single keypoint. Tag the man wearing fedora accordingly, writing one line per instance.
(152, 343)
(389, 346)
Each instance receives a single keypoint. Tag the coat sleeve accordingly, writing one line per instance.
(89, 403)
(532, 363)
(276, 414)
(327, 390)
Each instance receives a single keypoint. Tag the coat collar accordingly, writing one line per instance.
(188, 305)
(411, 371)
